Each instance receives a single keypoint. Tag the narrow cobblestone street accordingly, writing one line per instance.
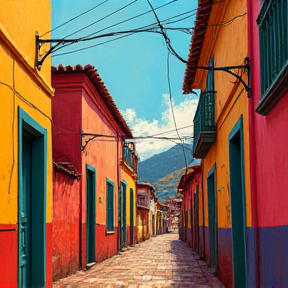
(162, 261)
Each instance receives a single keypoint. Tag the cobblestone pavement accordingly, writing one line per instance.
(162, 261)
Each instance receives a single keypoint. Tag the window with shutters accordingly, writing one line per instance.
(110, 206)
(273, 42)
(204, 119)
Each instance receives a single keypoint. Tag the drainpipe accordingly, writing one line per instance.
(253, 153)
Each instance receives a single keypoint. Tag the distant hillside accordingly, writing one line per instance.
(165, 169)
(166, 187)
(160, 165)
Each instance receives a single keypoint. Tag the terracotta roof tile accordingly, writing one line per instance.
(202, 18)
(98, 83)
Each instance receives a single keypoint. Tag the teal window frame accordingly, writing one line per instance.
(110, 227)
(273, 44)
(90, 226)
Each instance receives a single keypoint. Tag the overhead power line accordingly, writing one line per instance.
(139, 15)
(97, 21)
(153, 25)
(70, 20)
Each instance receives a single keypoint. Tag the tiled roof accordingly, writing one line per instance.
(67, 168)
(145, 185)
(202, 18)
(99, 85)
(185, 179)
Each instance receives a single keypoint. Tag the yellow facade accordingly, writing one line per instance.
(128, 175)
(21, 85)
(228, 45)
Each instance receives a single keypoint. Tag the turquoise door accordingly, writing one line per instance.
(237, 187)
(91, 214)
(212, 218)
(25, 215)
(196, 218)
(132, 205)
(122, 214)
(31, 202)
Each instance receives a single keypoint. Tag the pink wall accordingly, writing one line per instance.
(271, 141)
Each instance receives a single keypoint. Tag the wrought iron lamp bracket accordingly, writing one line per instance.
(39, 60)
(84, 141)
(229, 69)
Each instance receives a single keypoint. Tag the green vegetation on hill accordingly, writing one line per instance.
(165, 169)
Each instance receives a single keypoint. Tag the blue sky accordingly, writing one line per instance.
(134, 69)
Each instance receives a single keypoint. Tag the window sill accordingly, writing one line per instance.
(274, 94)
(110, 232)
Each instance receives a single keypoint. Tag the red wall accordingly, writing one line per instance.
(66, 221)
(8, 255)
(66, 114)
(106, 245)
(85, 112)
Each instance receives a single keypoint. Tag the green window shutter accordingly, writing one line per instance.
(273, 36)
(110, 206)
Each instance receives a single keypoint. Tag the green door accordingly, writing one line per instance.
(25, 214)
(122, 214)
(237, 187)
(132, 205)
(196, 219)
(212, 218)
(91, 212)
(31, 202)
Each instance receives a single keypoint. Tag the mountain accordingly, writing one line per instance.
(166, 187)
(165, 169)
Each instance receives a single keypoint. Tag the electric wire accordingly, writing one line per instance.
(164, 21)
(225, 23)
(129, 34)
(70, 20)
(167, 41)
(97, 21)
(172, 109)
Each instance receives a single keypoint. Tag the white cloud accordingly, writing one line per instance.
(184, 114)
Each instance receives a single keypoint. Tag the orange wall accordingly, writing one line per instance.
(100, 153)
(231, 101)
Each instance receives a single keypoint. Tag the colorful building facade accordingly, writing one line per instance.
(89, 136)
(26, 151)
(128, 197)
(267, 39)
(145, 193)
(191, 220)
(221, 134)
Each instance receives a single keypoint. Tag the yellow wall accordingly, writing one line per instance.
(18, 25)
(129, 177)
(229, 48)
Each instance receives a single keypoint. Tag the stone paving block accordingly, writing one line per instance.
(163, 261)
